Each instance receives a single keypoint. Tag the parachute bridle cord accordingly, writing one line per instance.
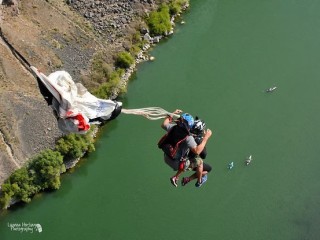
(151, 113)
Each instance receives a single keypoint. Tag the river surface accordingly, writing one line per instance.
(216, 66)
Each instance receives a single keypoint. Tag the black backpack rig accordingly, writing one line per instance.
(171, 141)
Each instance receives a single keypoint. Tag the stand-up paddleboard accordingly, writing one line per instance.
(248, 160)
(271, 89)
(230, 165)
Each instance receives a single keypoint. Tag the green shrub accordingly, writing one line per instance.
(124, 60)
(174, 8)
(73, 145)
(46, 168)
(136, 38)
(105, 89)
(103, 74)
(159, 21)
(5, 198)
(134, 50)
(20, 183)
(100, 70)
(42, 172)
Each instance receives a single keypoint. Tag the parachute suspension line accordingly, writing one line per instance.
(152, 113)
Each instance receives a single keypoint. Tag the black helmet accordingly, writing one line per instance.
(198, 126)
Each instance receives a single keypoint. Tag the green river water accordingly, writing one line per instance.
(216, 66)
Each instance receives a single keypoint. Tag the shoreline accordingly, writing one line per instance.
(142, 56)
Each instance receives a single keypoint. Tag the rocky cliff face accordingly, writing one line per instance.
(51, 35)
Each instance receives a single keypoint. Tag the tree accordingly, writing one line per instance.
(18, 186)
(23, 185)
(5, 200)
(46, 169)
(8, 191)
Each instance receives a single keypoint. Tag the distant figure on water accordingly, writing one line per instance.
(271, 89)
(248, 160)
(230, 165)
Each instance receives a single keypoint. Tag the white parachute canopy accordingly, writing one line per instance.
(76, 108)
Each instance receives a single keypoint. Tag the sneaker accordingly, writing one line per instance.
(203, 180)
(185, 180)
(174, 181)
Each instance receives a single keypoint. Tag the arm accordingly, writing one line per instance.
(198, 149)
(168, 119)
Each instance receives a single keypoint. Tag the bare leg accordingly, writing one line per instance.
(178, 173)
(175, 178)
(199, 173)
(194, 176)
